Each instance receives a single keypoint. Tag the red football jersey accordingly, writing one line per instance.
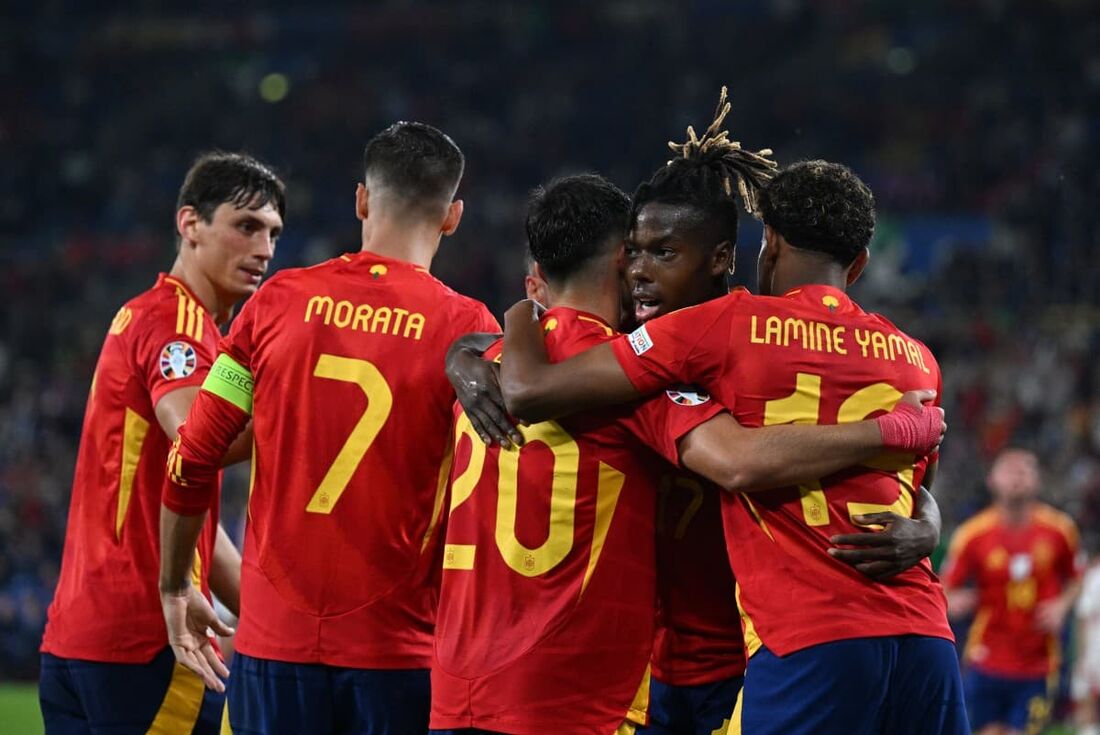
(698, 639)
(1016, 569)
(811, 356)
(107, 607)
(343, 366)
(547, 602)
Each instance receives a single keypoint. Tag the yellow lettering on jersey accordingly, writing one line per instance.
(798, 333)
(459, 556)
(878, 345)
(863, 337)
(838, 341)
(365, 317)
(754, 336)
(794, 329)
(134, 429)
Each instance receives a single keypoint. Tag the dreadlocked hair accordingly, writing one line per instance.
(706, 171)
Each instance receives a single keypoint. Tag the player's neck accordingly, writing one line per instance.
(217, 305)
(1016, 514)
(808, 271)
(416, 244)
(600, 302)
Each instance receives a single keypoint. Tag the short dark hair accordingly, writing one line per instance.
(217, 178)
(417, 163)
(822, 206)
(569, 220)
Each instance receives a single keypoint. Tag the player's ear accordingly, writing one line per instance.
(454, 216)
(723, 258)
(187, 220)
(361, 197)
(855, 270)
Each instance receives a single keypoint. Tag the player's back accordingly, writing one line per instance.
(546, 610)
(351, 415)
(814, 356)
(811, 356)
(106, 607)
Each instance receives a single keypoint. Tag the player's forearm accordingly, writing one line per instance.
(240, 449)
(928, 511)
(225, 572)
(746, 460)
(537, 390)
(179, 534)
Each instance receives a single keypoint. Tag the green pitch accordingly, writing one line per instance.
(19, 709)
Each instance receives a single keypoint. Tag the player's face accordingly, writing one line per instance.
(1014, 476)
(235, 247)
(668, 266)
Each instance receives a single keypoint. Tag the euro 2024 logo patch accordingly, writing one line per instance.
(688, 396)
(177, 360)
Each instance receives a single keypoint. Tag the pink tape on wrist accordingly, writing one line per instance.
(911, 429)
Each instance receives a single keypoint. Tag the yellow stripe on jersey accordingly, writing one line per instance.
(189, 316)
(597, 322)
(734, 722)
(752, 639)
(639, 708)
(196, 571)
(134, 430)
(226, 729)
(608, 488)
(440, 494)
(757, 516)
(179, 710)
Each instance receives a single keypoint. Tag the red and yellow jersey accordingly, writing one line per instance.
(341, 368)
(547, 601)
(698, 639)
(106, 607)
(1016, 569)
(811, 356)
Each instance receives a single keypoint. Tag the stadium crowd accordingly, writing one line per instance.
(975, 125)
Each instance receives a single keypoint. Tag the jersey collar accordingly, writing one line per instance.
(163, 279)
(820, 295)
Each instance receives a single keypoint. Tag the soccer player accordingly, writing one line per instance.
(106, 664)
(1023, 554)
(533, 283)
(340, 367)
(550, 629)
(830, 651)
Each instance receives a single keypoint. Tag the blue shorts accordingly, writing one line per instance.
(271, 697)
(80, 697)
(865, 686)
(1021, 704)
(690, 710)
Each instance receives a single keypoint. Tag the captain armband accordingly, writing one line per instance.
(230, 380)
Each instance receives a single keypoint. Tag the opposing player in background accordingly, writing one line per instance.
(830, 650)
(551, 631)
(1024, 556)
(106, 664)
(340, 367)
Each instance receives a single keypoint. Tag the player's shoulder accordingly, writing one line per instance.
(167, 306)
(568, 331)
(1059, 521)
(976, 526)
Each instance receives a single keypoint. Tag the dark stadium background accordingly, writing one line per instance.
(976, 123)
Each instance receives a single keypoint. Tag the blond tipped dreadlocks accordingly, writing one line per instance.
(751, 170)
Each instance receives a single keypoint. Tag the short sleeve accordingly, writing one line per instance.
(661, 421)
(169, 358)
(687, 347)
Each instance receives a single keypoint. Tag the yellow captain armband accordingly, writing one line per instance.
(232, 381)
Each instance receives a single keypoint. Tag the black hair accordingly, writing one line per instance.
(418, 164)
(571, 219)
(821, 206)
(705, 174)
(217, 178)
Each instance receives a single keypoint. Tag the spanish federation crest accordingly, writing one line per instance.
(688, 396)
(177, 360)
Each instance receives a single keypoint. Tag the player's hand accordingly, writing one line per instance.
(1050, 615)
(961, 602)
(911, 426)
(190, 618)
(477, 387)
(881, 554)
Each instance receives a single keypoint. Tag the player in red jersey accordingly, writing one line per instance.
(548, 631)
(340, 368)
(105, 656)
(830, 650)
(1024, 557)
